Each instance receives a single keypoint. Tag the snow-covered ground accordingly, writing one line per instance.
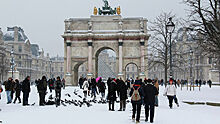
(99, 114)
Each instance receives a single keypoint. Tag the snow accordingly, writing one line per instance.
(99, 114)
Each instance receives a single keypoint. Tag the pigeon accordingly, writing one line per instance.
(68, 95)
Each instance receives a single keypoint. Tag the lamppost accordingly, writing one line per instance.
(12, 62)
(170, 27)
(50, 69)
(191, 77)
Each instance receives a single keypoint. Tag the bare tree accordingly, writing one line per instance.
(159, 42)
(205, 18)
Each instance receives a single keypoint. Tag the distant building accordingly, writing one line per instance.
(29, 59)
(201, 62)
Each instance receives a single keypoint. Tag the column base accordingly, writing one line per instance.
(121, 76)
(69, 78)
(142, 76)
(89, 75)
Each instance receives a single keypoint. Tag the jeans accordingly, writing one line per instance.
(8, 96)
(103, 95)
(25, 98)
(136, 108)
(170, 98)
(122, 105)
(149, 107)
(156, 100)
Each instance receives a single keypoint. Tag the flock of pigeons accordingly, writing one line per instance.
(78, 103)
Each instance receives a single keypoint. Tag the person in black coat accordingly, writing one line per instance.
(26, 89)
(17, 88)
(81, 80)
(122, 95)
(150, 91)
(58, 86)
(136, 100)
(42, 89)
(102, 87)
(112, 87)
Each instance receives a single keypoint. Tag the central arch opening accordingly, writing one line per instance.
(106, 63)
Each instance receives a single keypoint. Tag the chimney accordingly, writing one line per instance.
(15, 33)
(184, 34)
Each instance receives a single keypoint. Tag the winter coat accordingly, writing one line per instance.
(170, 90)
(58, 85)
(8, 85)
(140, 93)
(17, 88)
(51, 84)
(42, 86)
(26, 86)
(85, 85)
(123, 91)
(101, 86)
(150, 91)
(157, 85)
(112, 91)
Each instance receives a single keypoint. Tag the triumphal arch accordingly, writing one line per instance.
(85, 38)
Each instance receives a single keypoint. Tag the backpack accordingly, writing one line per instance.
(136, 95)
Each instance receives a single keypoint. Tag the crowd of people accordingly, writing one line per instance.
(142, 92)
(16, 87)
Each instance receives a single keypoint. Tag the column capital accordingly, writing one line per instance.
(142, 43)
(89, 43)
(120, 43)
(68, 43)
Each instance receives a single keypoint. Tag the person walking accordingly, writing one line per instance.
(102, 87)
(64, 83)
(170, 92)
(26, 89)
(8, 89)
(156, 96)
(112, 87)
(1, 90)
(51, 85)
(85, 88)
(150, 92)
(17, 91)
(42, 89)
(58, 86)
(123, 95)
(81, 80)
(94, 88)
(136, 94)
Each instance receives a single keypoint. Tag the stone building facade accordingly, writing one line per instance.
(29, 59)
(85, 38)
(189, 55)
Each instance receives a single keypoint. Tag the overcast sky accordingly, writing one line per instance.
(43, 20)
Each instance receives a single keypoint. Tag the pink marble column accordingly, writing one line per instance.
(90, 57)
(120, 64)
(68, 44)
(142, 42)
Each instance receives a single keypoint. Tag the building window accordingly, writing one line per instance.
(19, 57)
(19, 48)
(133, 76)
(133, 68)
(210, 60)
(82, 68)
(19, 64)
(127, 68)
(61, 69)
(127, 75)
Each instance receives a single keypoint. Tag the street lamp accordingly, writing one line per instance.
(12, 62)
(191, 77)
(170, 27)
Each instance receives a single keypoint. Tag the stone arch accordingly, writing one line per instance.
(131, 63)
(96, 54)
(75, 70)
